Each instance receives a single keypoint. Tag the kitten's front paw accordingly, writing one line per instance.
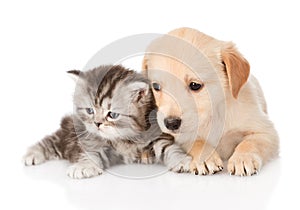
(244, 164)
(211, 165)
(183, 165)
(83, 170)
(34, 156)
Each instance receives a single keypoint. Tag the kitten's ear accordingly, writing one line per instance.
(139, 90)
(74, 74)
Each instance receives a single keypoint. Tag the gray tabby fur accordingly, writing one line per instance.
(93, 142)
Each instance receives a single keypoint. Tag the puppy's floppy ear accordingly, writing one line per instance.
(236, 67)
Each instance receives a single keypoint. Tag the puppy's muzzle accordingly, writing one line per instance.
(172, 123)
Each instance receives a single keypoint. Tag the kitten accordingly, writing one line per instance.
(114, 122)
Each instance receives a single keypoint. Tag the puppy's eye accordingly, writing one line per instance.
(195, 86)
(113, 115)
(156, 86)
(89, 110)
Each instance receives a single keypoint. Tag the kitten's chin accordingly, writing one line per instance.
(119, 134)
(108, 133)
(112, 134)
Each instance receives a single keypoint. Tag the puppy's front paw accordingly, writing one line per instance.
(34, 156)
(244, 164)
(183, 165)
(211, 165)
(83, 170)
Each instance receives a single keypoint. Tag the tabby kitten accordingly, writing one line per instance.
(114, 122)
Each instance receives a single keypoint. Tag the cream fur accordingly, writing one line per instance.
(229, 112)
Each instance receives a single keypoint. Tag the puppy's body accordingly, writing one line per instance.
(228, 112)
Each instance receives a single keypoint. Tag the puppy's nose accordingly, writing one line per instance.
(172, 123)
(97, 124)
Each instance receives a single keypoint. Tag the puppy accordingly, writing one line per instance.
(208, 100)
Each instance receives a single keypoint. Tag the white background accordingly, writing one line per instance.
(41, 40)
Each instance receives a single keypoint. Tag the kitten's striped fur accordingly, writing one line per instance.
(93, 142)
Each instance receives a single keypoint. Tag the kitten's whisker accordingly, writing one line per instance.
(81, 134)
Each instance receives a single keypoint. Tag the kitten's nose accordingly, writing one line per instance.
(172, 123)
(97, 124)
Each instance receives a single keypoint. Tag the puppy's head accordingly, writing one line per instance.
(192, 74)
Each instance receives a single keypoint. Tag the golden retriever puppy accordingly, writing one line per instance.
(208, 100)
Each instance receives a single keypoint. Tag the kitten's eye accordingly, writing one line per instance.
(113, 115)
(89, 110)
(156, 86)
(195, 86)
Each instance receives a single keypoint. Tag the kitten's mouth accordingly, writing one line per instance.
(174, 131)
(100, 130)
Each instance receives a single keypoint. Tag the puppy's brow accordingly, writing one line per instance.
(189, 79)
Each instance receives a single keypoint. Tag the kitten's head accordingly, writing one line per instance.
(113, 102)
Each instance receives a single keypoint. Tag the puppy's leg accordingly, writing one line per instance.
(205, 159)
(252, 153)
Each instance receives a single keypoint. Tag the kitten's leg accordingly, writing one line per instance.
(87, 166)
(44, 150)
(92, 164)
(172, 155)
